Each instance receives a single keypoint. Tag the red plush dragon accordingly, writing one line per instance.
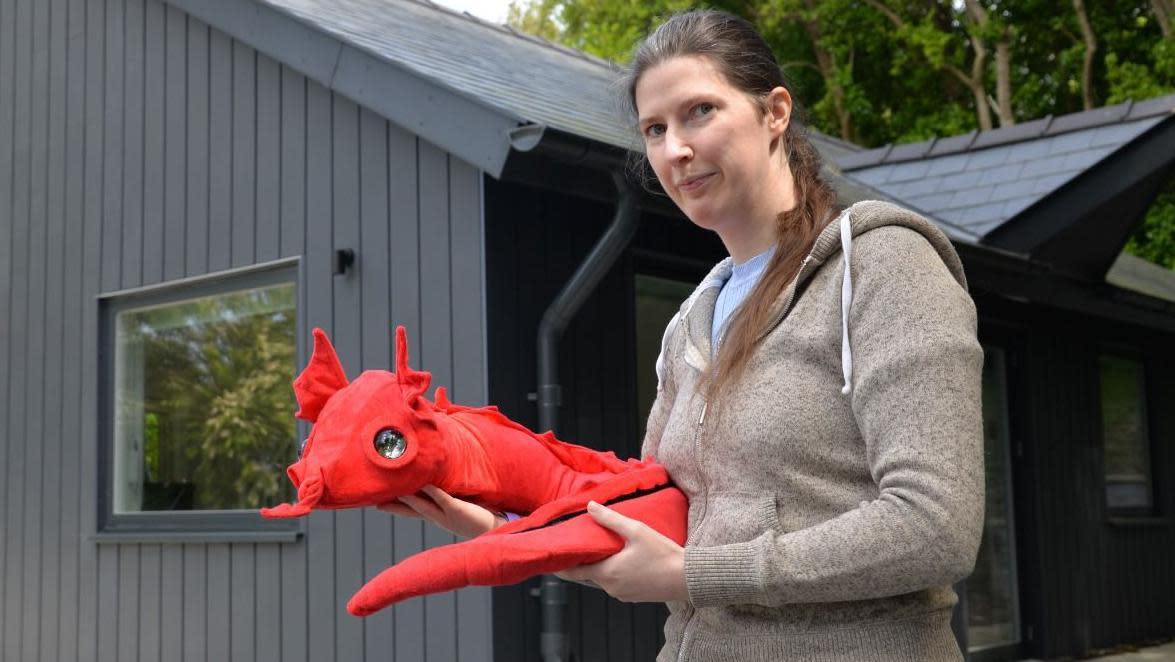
(378, 438)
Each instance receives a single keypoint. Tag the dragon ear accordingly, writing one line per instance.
(441, 399)
(415, 382)
(321, 379)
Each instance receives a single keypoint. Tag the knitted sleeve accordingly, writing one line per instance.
(917, 403)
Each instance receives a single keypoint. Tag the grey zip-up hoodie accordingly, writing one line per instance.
(837, 492)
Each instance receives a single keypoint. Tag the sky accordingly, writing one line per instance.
(490, 10)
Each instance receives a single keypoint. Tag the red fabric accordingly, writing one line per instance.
(474, 453)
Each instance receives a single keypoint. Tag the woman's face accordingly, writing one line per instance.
(712, 147)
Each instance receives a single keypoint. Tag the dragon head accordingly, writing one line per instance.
(372, 440)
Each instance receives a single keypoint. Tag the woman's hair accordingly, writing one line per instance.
(744, 58)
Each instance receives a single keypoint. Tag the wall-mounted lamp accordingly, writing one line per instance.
(341, 261)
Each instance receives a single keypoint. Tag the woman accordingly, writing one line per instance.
(819, 393)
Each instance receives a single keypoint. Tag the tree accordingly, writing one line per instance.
(880, 71)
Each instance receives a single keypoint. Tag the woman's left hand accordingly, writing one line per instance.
(650, 568)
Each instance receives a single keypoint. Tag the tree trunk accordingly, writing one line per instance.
(979, 65)
(978, 89)
(827, 65)
(1090, 49)
(1163, 14)
(1003, 89)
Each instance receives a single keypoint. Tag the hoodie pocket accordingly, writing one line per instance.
(733, 517)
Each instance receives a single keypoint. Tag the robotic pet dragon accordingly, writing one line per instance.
(378, 438)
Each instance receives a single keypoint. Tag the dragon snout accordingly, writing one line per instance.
(310, 492)
(297, 472)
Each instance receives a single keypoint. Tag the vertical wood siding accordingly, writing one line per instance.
(138, 146)
(1125, 573)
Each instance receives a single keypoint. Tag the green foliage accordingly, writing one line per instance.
(1154, 239)
(537, 18)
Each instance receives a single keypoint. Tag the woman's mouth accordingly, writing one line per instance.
(695, 183)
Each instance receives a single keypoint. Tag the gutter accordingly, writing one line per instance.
(611, 245)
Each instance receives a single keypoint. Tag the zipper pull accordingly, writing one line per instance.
(705, 405)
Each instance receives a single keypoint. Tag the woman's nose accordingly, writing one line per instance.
(676, 148)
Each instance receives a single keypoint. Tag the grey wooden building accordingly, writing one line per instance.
(356, 164)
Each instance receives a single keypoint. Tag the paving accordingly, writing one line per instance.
(1161, 653)
(1164, 653)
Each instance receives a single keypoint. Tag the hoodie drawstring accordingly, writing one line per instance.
(846, 300)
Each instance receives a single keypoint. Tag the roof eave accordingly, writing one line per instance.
(1071, 226)
(474, 132)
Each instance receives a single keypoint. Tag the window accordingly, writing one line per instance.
(1126, 441)
(197, 403)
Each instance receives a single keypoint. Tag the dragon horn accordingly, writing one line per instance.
(321, 379)
(415, 381)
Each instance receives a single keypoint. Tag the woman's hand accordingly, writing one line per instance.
(650, 568)
(454, 515)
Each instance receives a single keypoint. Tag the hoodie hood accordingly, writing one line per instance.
(837, 237)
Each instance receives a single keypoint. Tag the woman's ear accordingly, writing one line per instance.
(779, 107)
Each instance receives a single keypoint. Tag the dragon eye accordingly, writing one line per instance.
(390, 443)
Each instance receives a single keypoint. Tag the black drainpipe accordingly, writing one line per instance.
(553, 592)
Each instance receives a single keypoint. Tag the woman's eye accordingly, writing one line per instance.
(703, 109)
(654, 130)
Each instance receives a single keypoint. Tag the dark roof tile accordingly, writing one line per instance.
(908, 151)
(906, 171)
(986, 158)
(1089, 118)
(1070, 142)
(1077, 161)
(934, 202)
(952, 144)
(945, 165)
(984, 213)
(958, 180)
(918, 187)
(971, 196)
(864, 159)
(873, 176)
(1017, 205)
(1014, 133)
(1014, 189)
(1042, 167)
(1164, 105)
(1051, 183)
(999, 174)
(952, 215)
(1028, 150)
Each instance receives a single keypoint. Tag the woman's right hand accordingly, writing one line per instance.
(454, 515)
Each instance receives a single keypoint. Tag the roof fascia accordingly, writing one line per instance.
(474, 132)
(1040, 229)
(1026, 281)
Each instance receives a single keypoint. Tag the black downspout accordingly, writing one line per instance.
(553, 593)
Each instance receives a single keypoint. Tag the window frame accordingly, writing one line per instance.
(242, 525)
(1128, 515)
